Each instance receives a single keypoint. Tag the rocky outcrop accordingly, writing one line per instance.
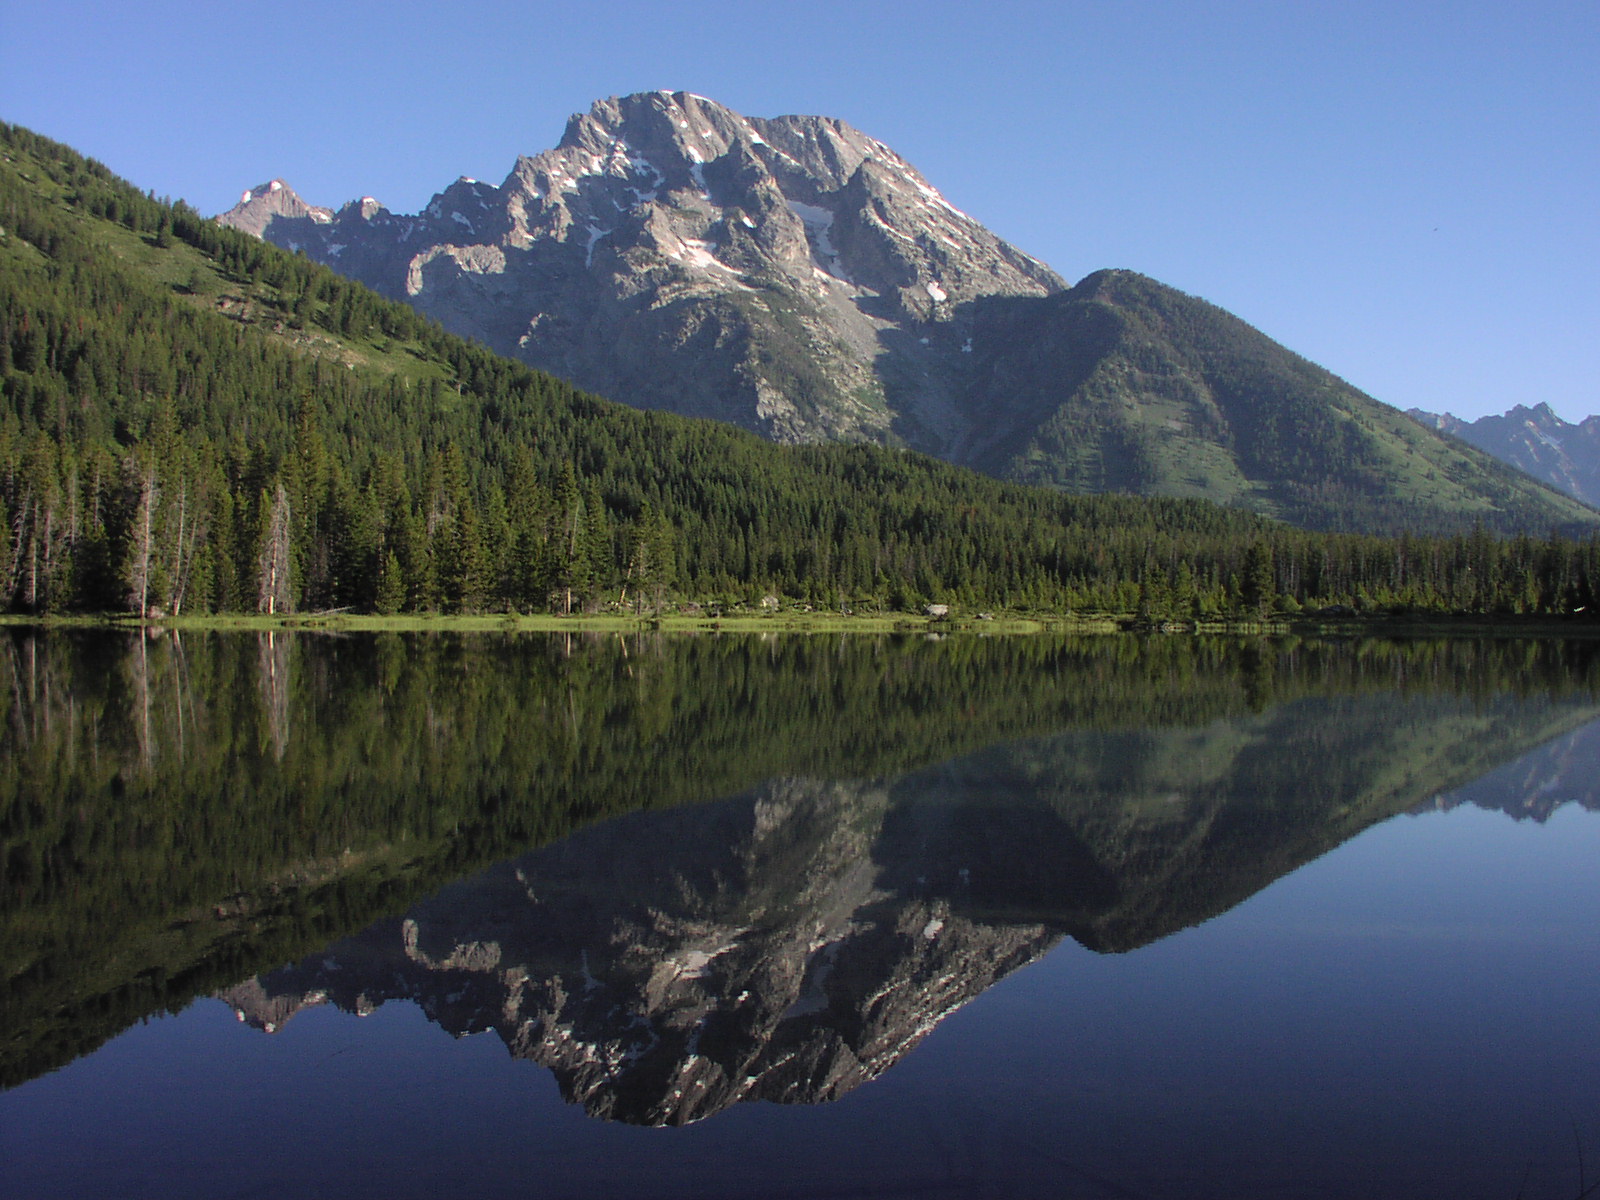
(792, 275)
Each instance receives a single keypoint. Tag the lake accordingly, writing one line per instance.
(310, 915)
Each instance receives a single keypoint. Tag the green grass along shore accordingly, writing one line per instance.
(800, 622)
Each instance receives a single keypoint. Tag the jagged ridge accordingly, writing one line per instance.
(797, 941)
(674, 252)
(1534, 440)
(799, 278)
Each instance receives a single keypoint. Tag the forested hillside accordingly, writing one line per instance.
(196, 421)
(1125, 383)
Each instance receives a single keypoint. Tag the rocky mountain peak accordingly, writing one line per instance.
(670, 250)
(1540, 415)
(1534, 439)
(364, 209)
(768, 956)
(266, 203)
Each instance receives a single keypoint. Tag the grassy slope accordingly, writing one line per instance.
(182, 270)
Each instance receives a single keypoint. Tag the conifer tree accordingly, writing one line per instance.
(7, 559)
(391, 589)
(1256, 588)
(569, 539)
(463, 576)
(650, 560)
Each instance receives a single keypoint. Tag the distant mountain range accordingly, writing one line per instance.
(1536, 441)
(1562, 771)
(800, 279)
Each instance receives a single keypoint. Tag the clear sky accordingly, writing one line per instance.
(1405, 192)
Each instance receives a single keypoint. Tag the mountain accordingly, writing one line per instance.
(1535, 441)
(1125, 384)
(798, 278)
(409, 469)
(797, 941)
(266, 203)
(667, 966)
(193, 809)
(674, 252)
(193, 420)
(1563, 771)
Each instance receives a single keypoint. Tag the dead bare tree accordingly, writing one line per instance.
(273, 562)
(141, 554)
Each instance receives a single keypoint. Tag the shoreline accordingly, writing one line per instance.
(1376, 625)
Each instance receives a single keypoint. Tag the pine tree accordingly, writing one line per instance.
(650, 560)
(463, 577)
(140, 555)
(391, 589)
(569, 539)
(7, 560)
(1256, 589)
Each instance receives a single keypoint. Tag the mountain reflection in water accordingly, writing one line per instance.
(681, 873)
(793, 942)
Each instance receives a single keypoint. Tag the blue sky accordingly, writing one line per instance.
(1408, 194)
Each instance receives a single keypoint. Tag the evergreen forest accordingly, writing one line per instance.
(192, 421)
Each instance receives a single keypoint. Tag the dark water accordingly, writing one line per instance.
(311, 916)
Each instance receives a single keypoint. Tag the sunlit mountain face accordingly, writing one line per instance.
(799, 278)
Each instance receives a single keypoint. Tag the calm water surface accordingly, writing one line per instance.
(315, 916)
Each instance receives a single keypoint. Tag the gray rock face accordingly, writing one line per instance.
(1535, 441)
(768, 957)
(793, 275)
(266, 204)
